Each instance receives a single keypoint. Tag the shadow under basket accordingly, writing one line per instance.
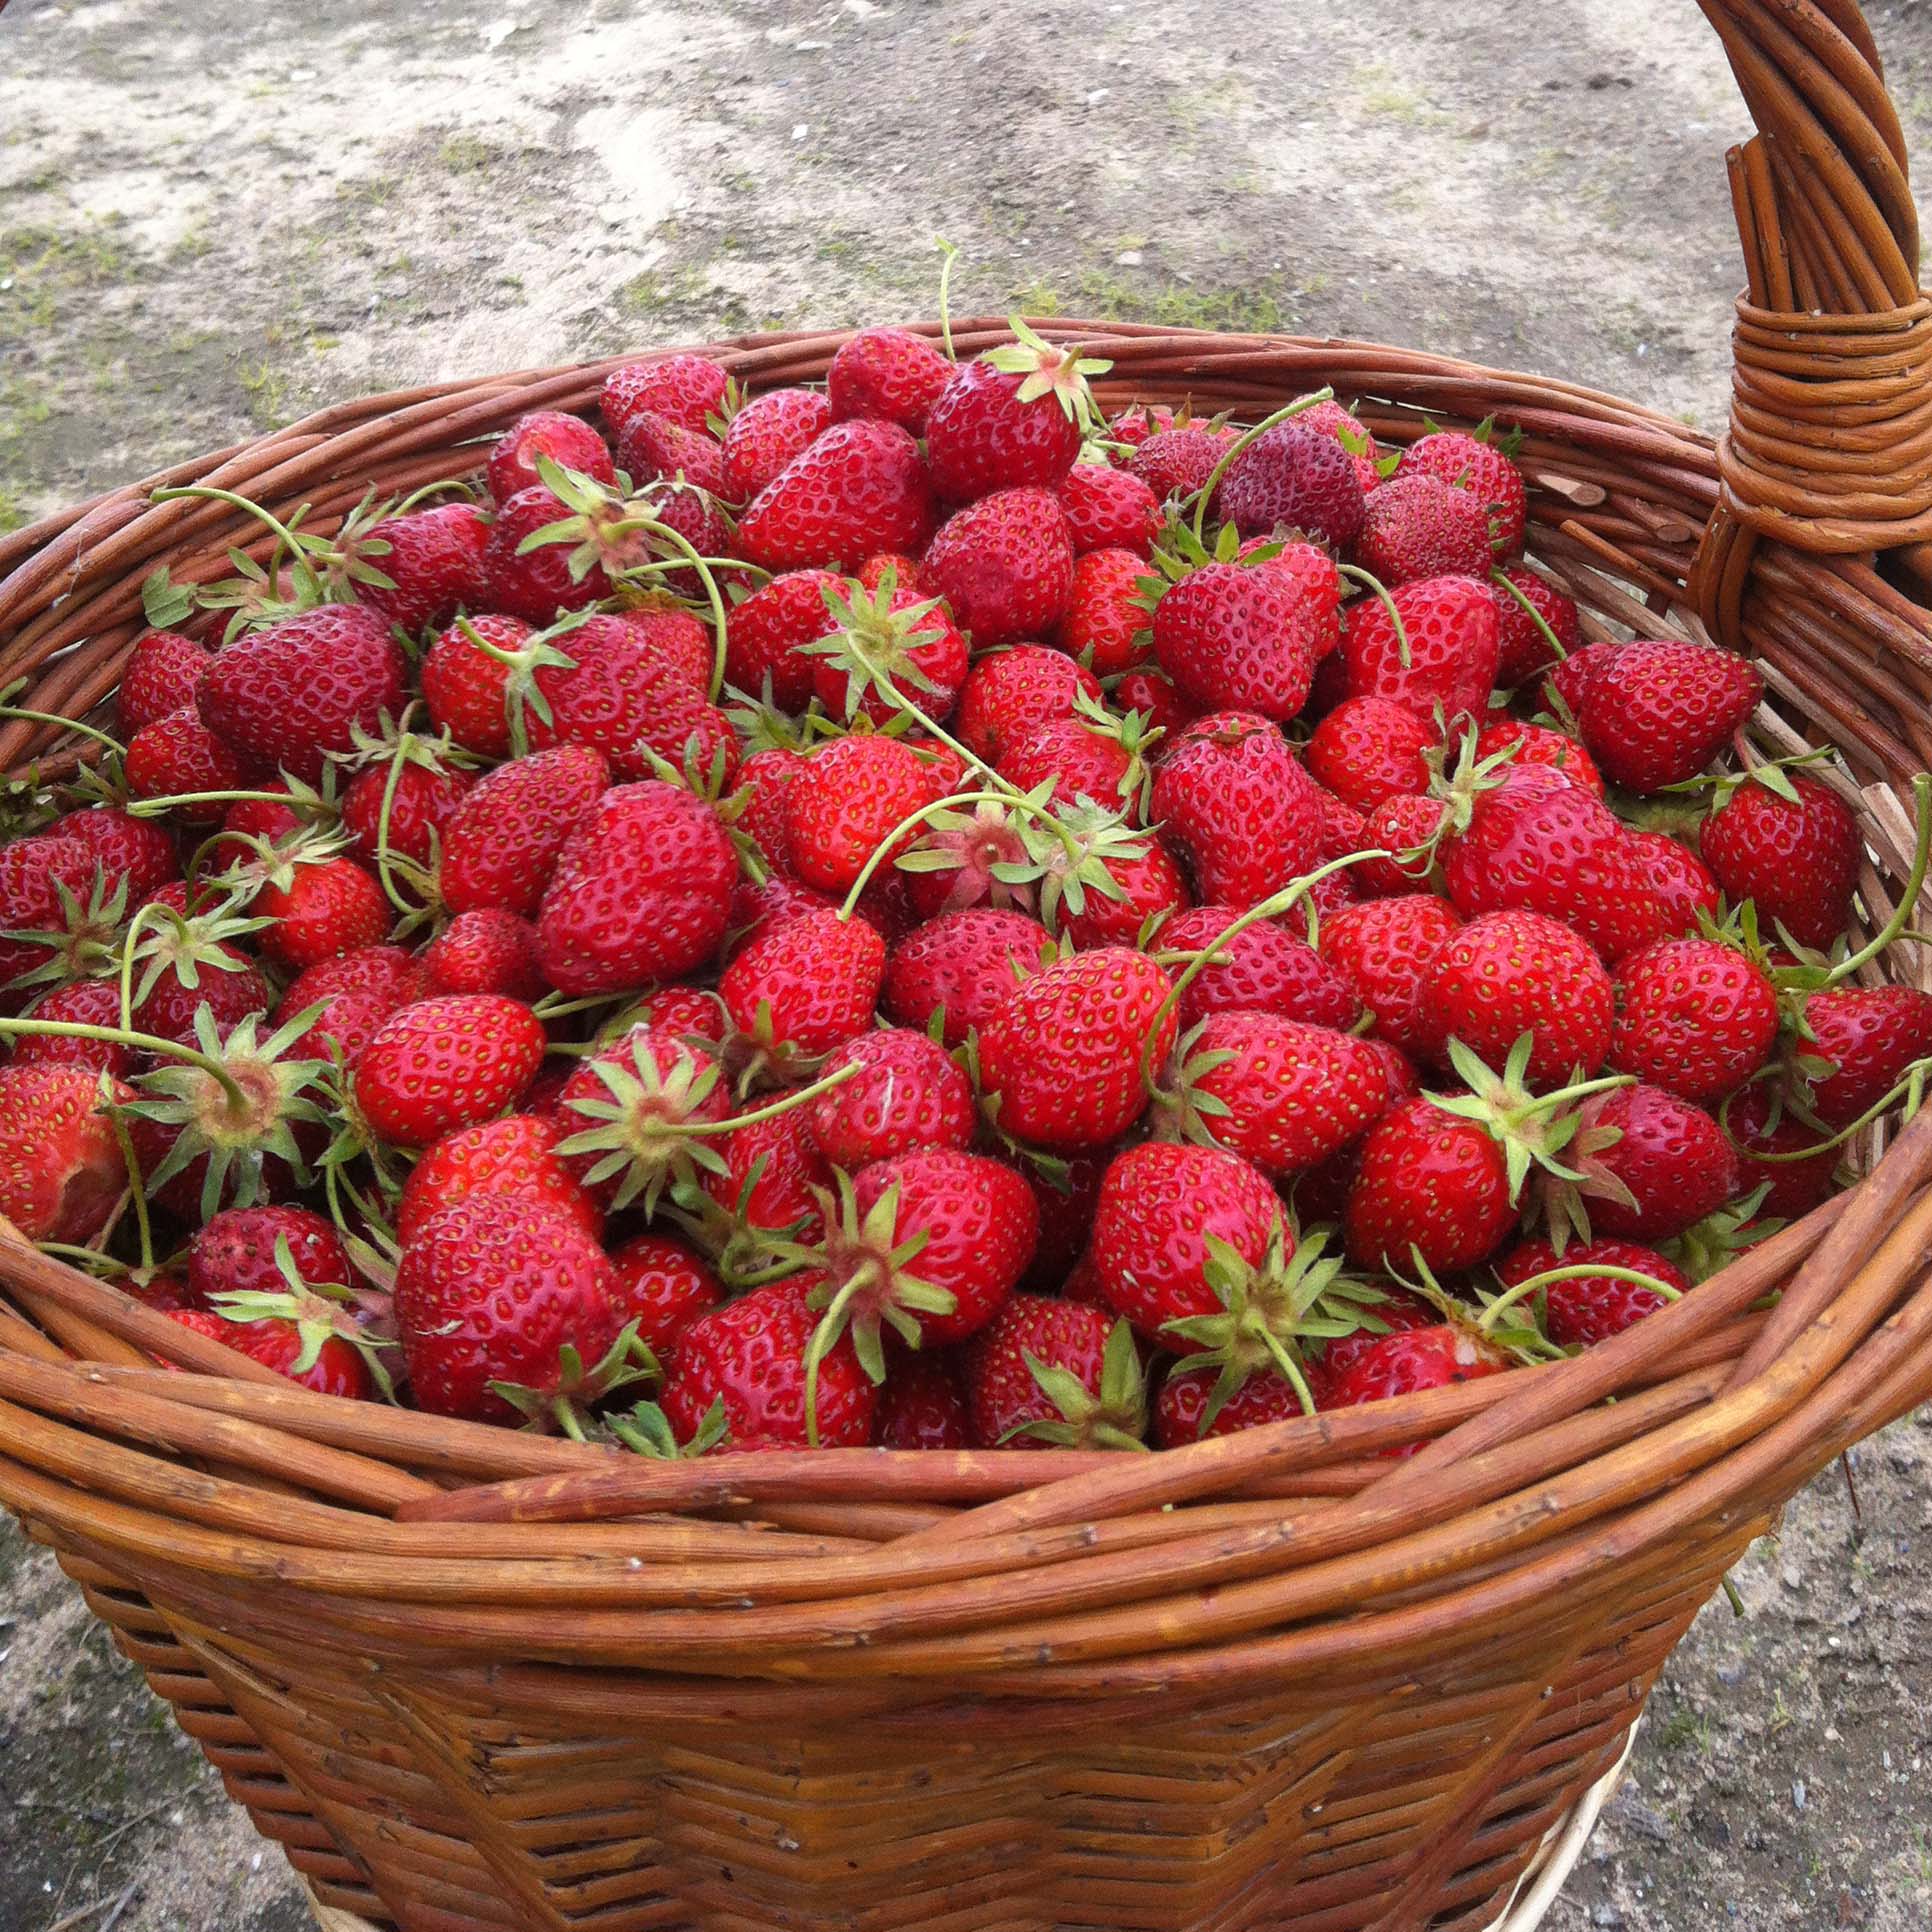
(471, 1678)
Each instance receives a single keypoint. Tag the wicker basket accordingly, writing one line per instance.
(476, 1679)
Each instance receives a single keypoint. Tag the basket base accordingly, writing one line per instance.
(1536, 1890)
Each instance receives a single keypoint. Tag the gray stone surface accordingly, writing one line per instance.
(214, 217)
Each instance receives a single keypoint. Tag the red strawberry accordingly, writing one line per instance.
(1282, 1094)
(1007, 693)
(1088, 756)
(1659, 712)
(1418, 526)
(922, 1405)
(319, 909)
(1263, 969)
(1671, 1157)
(433, 559)
(1105, 623)
(1534, 744)
(1109, 509)
(1797, 862)
(1238, 807)
(568, 441)
(132, 852)
(774, 1178)
(1160, 1206)
(503, 842)
(537, 583)
(961, 966)
(1292, 478)
(641, 892)
(515, 1155)
(1061, 1056)
(1592, 1308)
(418, 805)
(1397, 1313)
(630, 1111)
(1055, 1373)
(850, 795)
(1178, 460)
(446, 1063)
(767, 433)
(287, 695)
(1181, 1408)
(493, 1289)
(663, 1287)
(180, 754)
(991, 428)
(1385, 949)
(61, 1168)
(1430, 1183)
(749, 1356)
(1410, 1361)
(388, 970)
(1680, 879)
(1871, 1035)
(859, 488)
(158, 679)
(1369, 749)
(1693, 1016)
(1149, 885)
(687, 1010)
(1155, 698)
(1506, 974)
(77, 1002)
(765, 633)
(905, 572)
(1331, 419)
(1759, 1123)
(1453, 646)
(605, 685)
(336, 1368)
(1568, 685)
(1537, 843)
(466, 689)
(653, 448)
(1240, 637)
(764, 784)
(1469, 463)
(876, 654)
(235, 1253)
(485, 951)
(908, 1096)
(888, 374)
(806, 986)
(687, 388)
(1005, 565)
(1526, 649)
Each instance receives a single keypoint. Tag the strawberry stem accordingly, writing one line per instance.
(1908, 898)
(1500, 576)
(136, 1192)
(1017, 801)
(1579, 1271)
(124, 1036)
(948, 254)
(1205, 494)
(69, 724)
(795, 1099)
(1356, 574)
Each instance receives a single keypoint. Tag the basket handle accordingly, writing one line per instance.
(1829, 447)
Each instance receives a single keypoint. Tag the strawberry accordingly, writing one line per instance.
(1000, 428)
(890, 375)
(1871, 1035)
(568, 441)
(1430, 1183)
(1592, 1308)
(1370, 749)
(1798, 862)
(539, 583)
(1005, 565)
(235, 1253)
(765, 635)
(1536, 843)
(288, 695)
(1238, 807)
(387, 970)
(1178, 460)
(499, 1288)
(881, 652)
(663, 1287)
(1693, 1016)
(1418, 526)
(851, 794)
(749, 1356)
(1055, 1373)
(691, 1011)
(1091, 755)
(907, 1096)
(1061, 1056)
(767, 433)
(1332, 419)
(905, 572)
(1161, 1207)
(1659, 712)
(514, 1155)
(1652, 1163)
(1105, 622)
(1412, 1360)
(466, 689)
(764, 786)
(158, 679)
(1237, 637)
(774, 1181)
(180, 754)
(1760, 1124)
(960, 968)
(1149, 886)
(806, 986)
(61, 1169)
(346, 1023)
(1181, 1408)
(1282, 1094)
(485, 951)
(1292, 478)
(318, 909)
(922, 1405)
(1507, 974)
(630, 1112)
(444, 1063)
(689, 389)
(1007, 693)
(1534, 744)
(641, 892)
(1453, 646)
(1525, 648)
(433, 560)
(1155, 698)
(77, 1002)
(503, 841)
(1397, 1313)
(1680, 879)
(1479, 467)
(1262, 968)
(35, 873)
(333, 1367)
(418, 804)
(652, 448)
(859, 488)
(1568, 685)
(1384, 948)
(1109, 509)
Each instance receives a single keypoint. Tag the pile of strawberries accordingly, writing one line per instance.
(909, 913)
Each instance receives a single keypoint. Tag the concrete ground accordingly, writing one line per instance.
(215, 217)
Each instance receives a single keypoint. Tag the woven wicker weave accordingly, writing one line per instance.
(475, 1679)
